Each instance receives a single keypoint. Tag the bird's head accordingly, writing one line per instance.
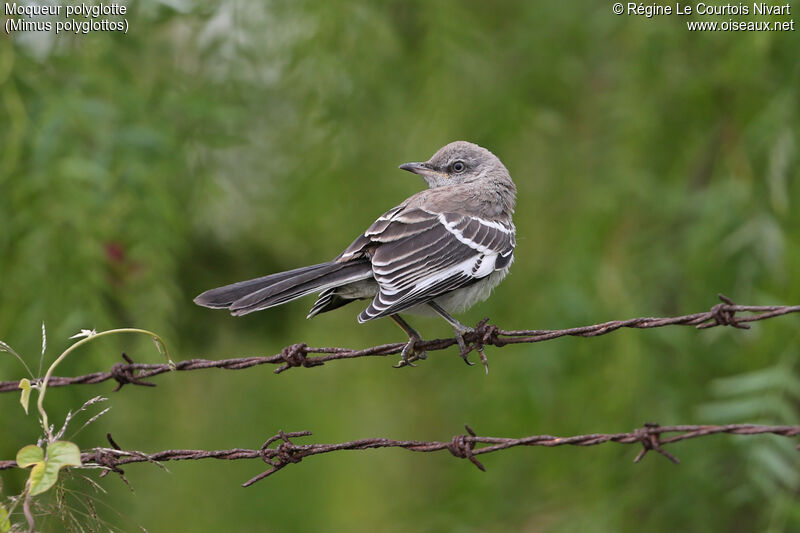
(459, 162)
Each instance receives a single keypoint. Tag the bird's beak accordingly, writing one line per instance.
(416, 168)
(423, 170)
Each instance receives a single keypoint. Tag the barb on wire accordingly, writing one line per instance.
(484, 334)
(651, 437)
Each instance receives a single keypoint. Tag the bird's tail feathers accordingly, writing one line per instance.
(268, 291)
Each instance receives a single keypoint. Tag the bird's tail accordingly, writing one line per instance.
(260, 293)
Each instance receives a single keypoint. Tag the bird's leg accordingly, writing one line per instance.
(410, 348)
(460, 331)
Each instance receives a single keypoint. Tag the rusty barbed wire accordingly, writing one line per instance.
(485, 334)
(465, 446)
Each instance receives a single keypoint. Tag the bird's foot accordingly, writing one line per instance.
(410, 353)
(465, 349)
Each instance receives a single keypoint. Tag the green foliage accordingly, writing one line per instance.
(44, 473)
(5, 522)
(772, 465)
(25, 396)
(218, 141)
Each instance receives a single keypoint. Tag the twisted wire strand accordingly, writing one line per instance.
(484, 334)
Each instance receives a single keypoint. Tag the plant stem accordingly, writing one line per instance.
(43, 385)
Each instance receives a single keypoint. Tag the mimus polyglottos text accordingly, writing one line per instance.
(440, 251)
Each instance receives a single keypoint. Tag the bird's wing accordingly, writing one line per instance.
(418, 255)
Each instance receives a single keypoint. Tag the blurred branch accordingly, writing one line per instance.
(650, 436)
(485, 334)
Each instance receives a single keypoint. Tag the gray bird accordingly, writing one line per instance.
(439, 252)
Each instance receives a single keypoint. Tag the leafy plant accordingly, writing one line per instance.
(51, 454)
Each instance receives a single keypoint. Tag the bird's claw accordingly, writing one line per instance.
(411, 354)
(465, 349)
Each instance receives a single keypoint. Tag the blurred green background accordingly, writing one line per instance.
(219, 141)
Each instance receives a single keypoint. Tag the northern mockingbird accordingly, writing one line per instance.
(440, 251)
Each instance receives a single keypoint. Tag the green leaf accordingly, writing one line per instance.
(25, 397)
(29, 455)
(5, 521)
(35, 479)
(44, 473)
(60, 453)
(64, 453)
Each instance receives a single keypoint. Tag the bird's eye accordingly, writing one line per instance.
(459, 166)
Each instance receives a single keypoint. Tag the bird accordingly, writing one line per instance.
(439, 252)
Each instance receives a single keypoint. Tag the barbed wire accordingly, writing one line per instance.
(484, 334)
(465, 446)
